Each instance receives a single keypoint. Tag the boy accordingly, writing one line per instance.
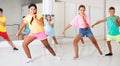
(3, 32)
(112, 23)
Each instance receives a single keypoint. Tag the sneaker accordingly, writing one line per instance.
(29, 60)
(75, 58)
(15, 48)
(109, 54)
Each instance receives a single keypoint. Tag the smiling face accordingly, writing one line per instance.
(81, 10)
(48, 18)
(32, 10)
(112, 12)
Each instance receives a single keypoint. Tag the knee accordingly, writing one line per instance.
(75, 42)
(24, 45)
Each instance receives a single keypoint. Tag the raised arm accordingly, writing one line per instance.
(98, 22)
(117, 21)
(40, 21)
(21, 28)
(67, 27)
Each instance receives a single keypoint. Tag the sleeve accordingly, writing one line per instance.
(25, 20)
(39, 16)
(74, 22)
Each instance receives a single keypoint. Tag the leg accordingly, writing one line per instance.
(25, 44)
(110, 49)
(22, 35)
(93, 40)
(11, 44)
(46, 44)
(54, 40)
(82, 41)
(75, 44)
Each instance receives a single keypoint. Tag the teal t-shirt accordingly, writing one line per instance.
(112, 27)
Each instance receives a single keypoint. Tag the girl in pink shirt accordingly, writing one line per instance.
(82, 22)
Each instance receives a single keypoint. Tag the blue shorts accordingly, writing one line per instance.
(85, 32)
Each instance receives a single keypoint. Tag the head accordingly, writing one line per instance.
(32, 9)
(81, 9)
(48, 17)
(111, 11)
(1, 11)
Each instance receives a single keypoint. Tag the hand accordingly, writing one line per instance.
(63, 32)
(93, 26)
(17, 34)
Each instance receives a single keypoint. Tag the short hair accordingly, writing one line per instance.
(1, 9)
(32, 5)
(81, 6)
(23, 17)
(111, 8)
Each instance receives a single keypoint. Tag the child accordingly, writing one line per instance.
(3, 31)
(82, 22)
(36, 25)
(112, 23)
(49, 28)
(26, 30)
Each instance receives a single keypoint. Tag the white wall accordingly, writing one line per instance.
(12, 11)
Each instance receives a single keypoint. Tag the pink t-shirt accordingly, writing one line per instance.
(79, 23)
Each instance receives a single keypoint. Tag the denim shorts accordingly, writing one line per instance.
(85, 32)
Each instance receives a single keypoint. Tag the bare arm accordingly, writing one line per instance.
(100, 21)
(21, 28)
(67, 27)
(117, 21)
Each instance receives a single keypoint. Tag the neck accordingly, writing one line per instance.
(111, 15)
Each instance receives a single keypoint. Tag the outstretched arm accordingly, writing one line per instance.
(100, 21)
(21, 28)
(67, 27)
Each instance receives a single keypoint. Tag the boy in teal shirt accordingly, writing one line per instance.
(112, 23)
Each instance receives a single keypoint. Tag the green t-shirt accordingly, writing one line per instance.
(112, 27)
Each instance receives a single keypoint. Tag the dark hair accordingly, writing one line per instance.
(111, 8)
(1, 9)
(23, 17)
(81, 6)
(47, 16)
(32, 5)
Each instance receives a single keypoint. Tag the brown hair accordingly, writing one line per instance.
(111, 8)
(81, 6)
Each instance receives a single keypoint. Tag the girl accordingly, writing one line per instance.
(36, 26)
(82, 22)
(49, 28)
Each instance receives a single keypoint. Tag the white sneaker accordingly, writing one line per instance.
(29, 60)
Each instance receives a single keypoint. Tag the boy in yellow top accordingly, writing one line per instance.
(36, 26)
(3, 32)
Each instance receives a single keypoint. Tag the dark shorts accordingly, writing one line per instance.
(85, 32)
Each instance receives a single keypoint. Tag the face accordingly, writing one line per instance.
(0, 13)
(81, 10)
(48, 18)
(33, 10)
(111, 12)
